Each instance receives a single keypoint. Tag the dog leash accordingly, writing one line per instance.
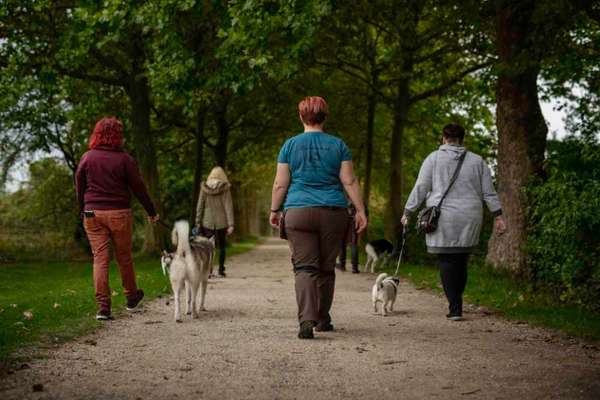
(404, 233)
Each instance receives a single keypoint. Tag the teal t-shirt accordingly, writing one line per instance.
(314, 159)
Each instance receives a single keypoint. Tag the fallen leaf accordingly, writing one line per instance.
(91, 342)
(28, 315)
(56, 305)
(471, 392)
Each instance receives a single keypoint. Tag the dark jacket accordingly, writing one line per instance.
(105, 179)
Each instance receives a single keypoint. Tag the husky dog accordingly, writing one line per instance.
(377, 250)
(189, 268)
(385, 291)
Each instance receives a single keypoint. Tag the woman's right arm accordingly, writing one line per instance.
(200, 209)
(80, 183)
(351, 186)
(280, 188)
(422, 187)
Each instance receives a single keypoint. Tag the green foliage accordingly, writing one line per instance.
(564, 238)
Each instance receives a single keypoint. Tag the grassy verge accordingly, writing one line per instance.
(502, 294)
(46, 303)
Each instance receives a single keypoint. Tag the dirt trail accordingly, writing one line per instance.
(245, 346)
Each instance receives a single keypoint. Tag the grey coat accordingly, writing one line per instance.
(462, 211)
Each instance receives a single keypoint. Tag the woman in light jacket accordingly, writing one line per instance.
(461, 214)
(214, 212)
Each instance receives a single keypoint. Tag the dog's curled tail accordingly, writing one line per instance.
(180, 237)
(380, 279)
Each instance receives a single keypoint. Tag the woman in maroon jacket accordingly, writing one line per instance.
(105, 178)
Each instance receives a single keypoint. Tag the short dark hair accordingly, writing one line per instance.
(453, 132)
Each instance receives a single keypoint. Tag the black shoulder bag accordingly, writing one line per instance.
(427, 220)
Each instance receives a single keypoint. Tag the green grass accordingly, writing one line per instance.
(504, 295)
(60, 298)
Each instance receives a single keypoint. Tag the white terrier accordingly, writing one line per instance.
(385, 291)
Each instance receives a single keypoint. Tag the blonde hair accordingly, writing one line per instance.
(218, 173)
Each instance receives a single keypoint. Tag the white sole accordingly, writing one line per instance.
(455, 318)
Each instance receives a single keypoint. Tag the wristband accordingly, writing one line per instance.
(274, 211)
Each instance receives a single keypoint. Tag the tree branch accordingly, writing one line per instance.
(90, 77)
(448, 84)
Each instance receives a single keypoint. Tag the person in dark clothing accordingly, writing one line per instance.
(350, 238)
(105, 178)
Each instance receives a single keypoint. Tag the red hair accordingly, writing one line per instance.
(107, 132)
(313, 110)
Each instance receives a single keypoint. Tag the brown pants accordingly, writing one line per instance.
(314, 235)
(104, 227)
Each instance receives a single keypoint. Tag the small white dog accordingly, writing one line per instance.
(378, 252)
(189, 268)
(385, 291)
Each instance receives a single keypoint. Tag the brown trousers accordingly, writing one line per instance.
(314, 235)
(105, 227)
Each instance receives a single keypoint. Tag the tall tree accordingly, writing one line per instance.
(523, 31)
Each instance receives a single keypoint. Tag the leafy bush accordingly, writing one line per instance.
(564, 238)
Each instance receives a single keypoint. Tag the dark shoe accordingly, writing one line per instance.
(355, 270)
(328, 327)
(454, 317)
(306, 330)
(134, 301)
(222, 274)
(103, 315)
(341, 267)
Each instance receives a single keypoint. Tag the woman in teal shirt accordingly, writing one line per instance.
(313, 170)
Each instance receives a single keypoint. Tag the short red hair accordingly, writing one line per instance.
(313, 110)
(107, 132)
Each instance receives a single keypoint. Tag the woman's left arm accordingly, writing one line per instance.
(280, 188)
(490, 197)
(229, 211)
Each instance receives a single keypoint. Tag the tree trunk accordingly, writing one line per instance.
(222, 134)
(371, 105)
(521, 131)
(199, 132)
(396, 206)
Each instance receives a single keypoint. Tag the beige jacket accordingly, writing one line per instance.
(215, 206)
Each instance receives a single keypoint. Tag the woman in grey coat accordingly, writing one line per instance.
(461, 213)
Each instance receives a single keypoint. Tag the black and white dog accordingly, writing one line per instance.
(378, 251)
(385, 291)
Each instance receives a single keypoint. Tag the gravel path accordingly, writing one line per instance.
(245, 346)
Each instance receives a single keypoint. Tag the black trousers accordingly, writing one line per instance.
(353, 248)
(453, 271)
(220, 242)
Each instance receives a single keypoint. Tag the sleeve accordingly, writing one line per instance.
(229, 208)
(138, 187)
(284, 153)
(80, 183)
(422, 187)
(345, 151)
(490, 197)
(200, 208)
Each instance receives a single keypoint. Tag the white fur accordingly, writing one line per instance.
(189, 268)
(373, 259)
(384, 291)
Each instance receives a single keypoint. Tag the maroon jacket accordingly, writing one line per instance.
(105, 179)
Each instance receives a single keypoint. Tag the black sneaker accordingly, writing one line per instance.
(306, 330)
(103, 315)
(134, 301)
(355, 270)
(454, 317)
(341, 267)
(328, 327)
(222, 274)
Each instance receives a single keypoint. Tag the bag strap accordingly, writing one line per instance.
(453, 179)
